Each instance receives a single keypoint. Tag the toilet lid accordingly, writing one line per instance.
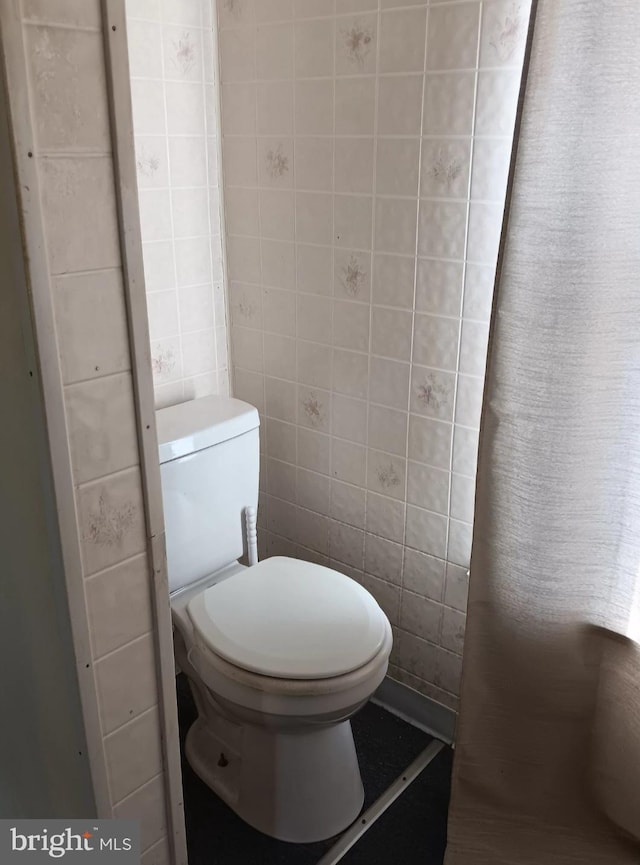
(290, 619)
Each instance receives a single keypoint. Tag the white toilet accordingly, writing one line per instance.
(279, 654)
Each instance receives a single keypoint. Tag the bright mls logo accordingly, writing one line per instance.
(110, 842)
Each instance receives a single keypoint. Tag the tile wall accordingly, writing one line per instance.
(68, 99)
(175, 98)
(365, 153)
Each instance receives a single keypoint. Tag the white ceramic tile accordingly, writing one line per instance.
(386, 594)
(314, 217)
(245, 304)
(315, 318)
(151, 161)
(314, 269)
(235, 13)
(385, 517)
(352, 221)
(356, 41)
(133, 754)
(465, 451)
(238, 108)
(389, 382)
(73, 13)
(92, 325)
(314, 164)
(348, 461)
(187, 161)
(459, 546)
(279, 356)
(352, 274)
(426, 531)
(469, 400)
(462, 498)
(491, 157)
(397, 165)
(349, 418)
(237, 54)
(275, 108)
(314, 364)
(355, 106)
(126, 683)
(391, 332)
(386, 474)
(435, 341)
(448, 103)
(350, 373)
(346, 544)
(119, 605)
(240, 162)
(247, 349)
(393, 280)
(146, 805)
(314, 450)
(314, 48)
(242, 211)
(275, 162)
(396, 225)
(198, 353)
(383, 558)
(348, 504)
(399, 105)
(423, 574)
(432, 392)
(79, 209)
(415, 655)
(439, 286)
(351, 325)
(473, 347)
(313, 531)
(453, 626)
(69, 110)
(485, 225)
(441, 232)
(354, 165)
(430, 441)
(313, 492)
(280, 399)
(314, 408)
(185, 12)
(421, 616)
(448, 671)
(155, 214)
(314, 107)
(112, 520)
(278, 264)
(402, 40)
(445, 168)
(453, 36)
(345, 6)
(387, 430)
(101, 427)
(244, 258)
(144, 39)
(312, 8)
(147, 99)
(274, 51)
(185, 108)
(497, 101)
(504, 32)
(273, 10)
(193, 260)
(456, 587)
(190, 212)
(279, 311)
(428, 487)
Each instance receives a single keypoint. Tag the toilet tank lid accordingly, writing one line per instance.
(200, 423)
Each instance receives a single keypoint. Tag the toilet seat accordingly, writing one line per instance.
(288, 619)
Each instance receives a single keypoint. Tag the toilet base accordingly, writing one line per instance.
(300, 786)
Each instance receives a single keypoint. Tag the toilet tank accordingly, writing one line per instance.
(209, 465)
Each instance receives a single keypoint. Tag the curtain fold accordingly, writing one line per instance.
(547, 766)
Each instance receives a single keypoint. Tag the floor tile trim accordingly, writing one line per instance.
(417, 709)
(366, 820)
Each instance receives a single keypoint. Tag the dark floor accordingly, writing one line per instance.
(412, 830)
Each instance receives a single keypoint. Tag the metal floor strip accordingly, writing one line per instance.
(366, 820)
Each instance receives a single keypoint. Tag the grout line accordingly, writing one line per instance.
(372, 814)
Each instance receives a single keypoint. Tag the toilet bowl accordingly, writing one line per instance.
(279, 655)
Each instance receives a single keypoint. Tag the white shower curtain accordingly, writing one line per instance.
(547, 766)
